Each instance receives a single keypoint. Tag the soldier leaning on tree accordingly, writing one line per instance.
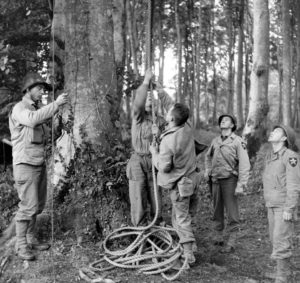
(28, 136)
(227, 165)
(139, 167)
(281, 183)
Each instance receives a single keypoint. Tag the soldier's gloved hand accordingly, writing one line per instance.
(287, 216)
(153, 149)
(62, 99)
(155, 130)
(239, 190)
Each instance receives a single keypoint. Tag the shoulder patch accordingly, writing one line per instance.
(293, 161)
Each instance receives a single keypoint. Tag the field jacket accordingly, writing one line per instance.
(176, 157)
(28, 134)
(281, 179)
(228, 157)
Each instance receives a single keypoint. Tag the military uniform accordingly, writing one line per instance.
(139, 167)
(175, 160)
(228, 164)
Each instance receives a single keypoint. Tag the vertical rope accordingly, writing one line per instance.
(52, 156)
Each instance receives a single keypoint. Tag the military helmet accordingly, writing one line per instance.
(233, 119)
(33, 79)
(290, 135)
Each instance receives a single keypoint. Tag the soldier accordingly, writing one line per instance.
(176, 164)
(227, 164)
(28, 137)
(139, 167)
(281, 182)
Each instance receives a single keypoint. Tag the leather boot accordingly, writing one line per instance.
(230, 246)
(32, 241)
(284, 271)
(188, 252)
(22, 249)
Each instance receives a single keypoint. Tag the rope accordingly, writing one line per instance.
(151, 249)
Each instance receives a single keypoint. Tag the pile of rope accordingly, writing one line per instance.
(151, 250)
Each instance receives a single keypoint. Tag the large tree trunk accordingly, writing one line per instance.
(239, 79)
(255, 127)
(286, 63)
(89, 119)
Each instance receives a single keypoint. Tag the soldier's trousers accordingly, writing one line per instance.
(281, 234)
(141, 190)
(183, 211)
(31, 184)
(223, 197)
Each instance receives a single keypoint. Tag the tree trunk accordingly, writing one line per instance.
(231, 38)
(239, 79)
(286, 63)
(179, 52)
(161, 48)
(119, 22)
(255, 128)
(296, 117)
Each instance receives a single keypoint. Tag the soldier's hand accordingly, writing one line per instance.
(206, 175)
(153, 149)
(148, 76)
(287, 216)
(62, 99)
(155, 130)
(239, 190)
(158, 86)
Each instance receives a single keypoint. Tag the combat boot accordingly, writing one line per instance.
(230, 246)
(32, 241)
(188, 252)
(284, 271)
(22, 249)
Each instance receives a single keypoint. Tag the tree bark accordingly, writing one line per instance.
(296, 117)
(93, 109)
(239, 79)
(231, 39)
(286, 63)
(255, 128)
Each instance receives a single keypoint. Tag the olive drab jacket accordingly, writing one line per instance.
(176, 157)
(281, 179)
(228, 157)
(28, 134)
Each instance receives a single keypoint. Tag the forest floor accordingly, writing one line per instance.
(247, 264)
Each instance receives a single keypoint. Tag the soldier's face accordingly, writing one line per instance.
(36, 93)
(226, 123)
(277, 135)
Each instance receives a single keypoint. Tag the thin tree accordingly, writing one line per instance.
(255, 127)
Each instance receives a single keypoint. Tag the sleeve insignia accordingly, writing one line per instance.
(293, 161)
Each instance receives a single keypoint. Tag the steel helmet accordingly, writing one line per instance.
(233, 119)
(33, 79)
(290, 135)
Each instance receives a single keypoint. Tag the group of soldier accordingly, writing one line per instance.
(167, 143)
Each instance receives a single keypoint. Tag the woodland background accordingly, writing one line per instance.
(218, 56)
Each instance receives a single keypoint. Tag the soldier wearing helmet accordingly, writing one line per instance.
(28, 137)
(227, 166)
(281, 183)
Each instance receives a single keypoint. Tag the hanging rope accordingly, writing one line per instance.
(151, 249)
